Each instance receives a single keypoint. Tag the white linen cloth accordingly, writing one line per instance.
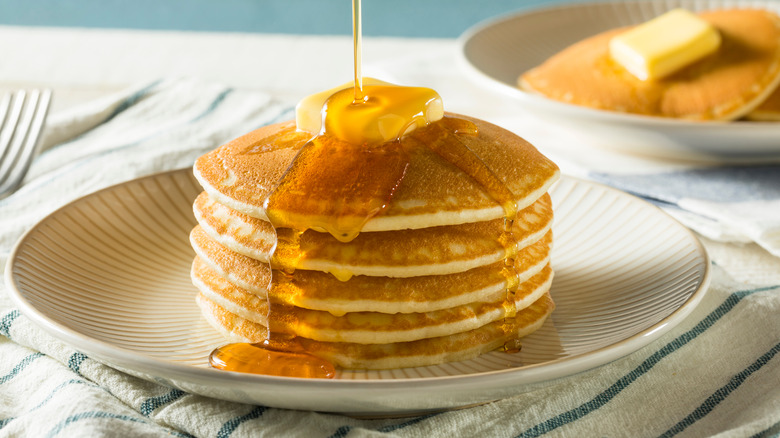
(716, 374)
(726, 203)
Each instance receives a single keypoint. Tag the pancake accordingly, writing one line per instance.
(240, 175)
(769, 110)
(362, 327)
(723, 86)
(321, 291)
(428, 351)
(445, 272)
(405, 253)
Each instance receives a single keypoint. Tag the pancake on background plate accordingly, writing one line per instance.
(726, 85)
(424, 282)
(769, 110)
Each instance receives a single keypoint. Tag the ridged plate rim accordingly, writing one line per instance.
(358, 396)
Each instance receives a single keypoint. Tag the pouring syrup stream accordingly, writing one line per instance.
(357, 46)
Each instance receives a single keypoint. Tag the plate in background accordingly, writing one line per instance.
(109, 275)
(497, 51)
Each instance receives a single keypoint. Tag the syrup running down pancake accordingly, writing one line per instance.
(725, 85)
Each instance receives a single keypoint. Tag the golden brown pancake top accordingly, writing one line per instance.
(723, 86)
(433, 192)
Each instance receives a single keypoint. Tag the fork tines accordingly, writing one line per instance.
(22, 115)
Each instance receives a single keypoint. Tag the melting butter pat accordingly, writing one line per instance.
(664, 45)
(386, 112)
(308, 112)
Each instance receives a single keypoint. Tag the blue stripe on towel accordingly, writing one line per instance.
(75, 360)
(102, 414)
(151, 404)
(128, 102)
(772, 431)
(213, 106)
(622, 383)
(342, 431)
(20, 367)
(231, 425)
(63, 385)
(717, 184)
(722, 393)
(132, 100)
(394, 427)
(87, 415)
(51, 395)
(7, 321)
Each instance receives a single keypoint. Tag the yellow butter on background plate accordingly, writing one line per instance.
(664, 45)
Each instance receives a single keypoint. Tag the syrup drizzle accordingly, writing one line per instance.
(357, 184)
(510, 274)
(280, 357)
(453, 150)
(357, 47)
(461, 156)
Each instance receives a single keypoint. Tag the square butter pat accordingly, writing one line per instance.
(664, 44)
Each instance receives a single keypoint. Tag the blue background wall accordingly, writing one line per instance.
(416, 18)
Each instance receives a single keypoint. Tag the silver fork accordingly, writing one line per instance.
(21, 118)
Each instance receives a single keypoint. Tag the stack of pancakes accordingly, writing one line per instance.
(423, 283)
(736, 81)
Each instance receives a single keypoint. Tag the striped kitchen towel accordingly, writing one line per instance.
(725, 203)
(716, 374)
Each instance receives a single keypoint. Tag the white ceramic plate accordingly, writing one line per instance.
(109, 275)
(497, 51)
